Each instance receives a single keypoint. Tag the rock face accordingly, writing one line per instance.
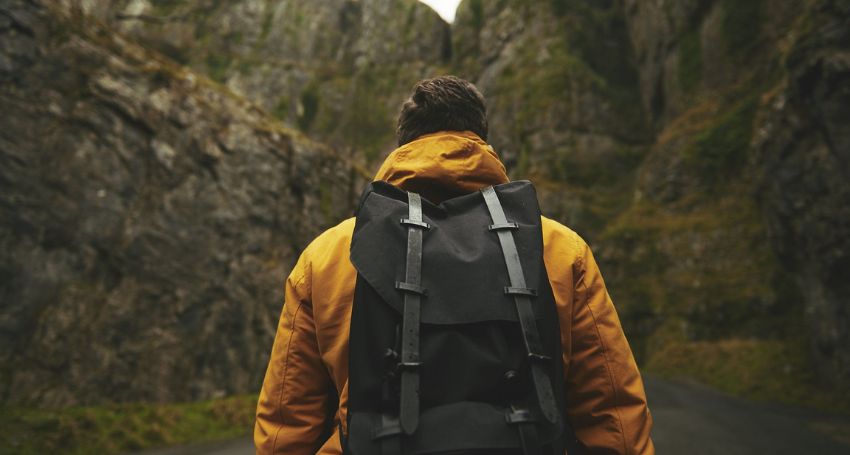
(150, 213)
(804, 148)
(692, 143)
(337, 69)
(749, 159)
(148, 218)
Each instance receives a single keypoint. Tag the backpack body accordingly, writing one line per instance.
(477, 382)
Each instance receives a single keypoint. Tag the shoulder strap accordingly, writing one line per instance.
(522, 299)
(413, 292)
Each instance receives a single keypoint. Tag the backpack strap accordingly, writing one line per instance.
(389, 430)
(522, 299)
(413, 292)
(525, 423)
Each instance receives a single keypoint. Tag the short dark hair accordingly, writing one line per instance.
(445, 103)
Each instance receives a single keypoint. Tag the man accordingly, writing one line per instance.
(442, 154)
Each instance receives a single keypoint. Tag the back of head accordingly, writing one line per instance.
(445, 103)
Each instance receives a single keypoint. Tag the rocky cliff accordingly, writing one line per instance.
(738, 94)
(149, 216)
(802, 145)
(697, 146)
(336, 69)
(701, 146)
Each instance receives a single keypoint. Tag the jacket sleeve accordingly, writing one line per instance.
(292, 412)
(605, 395)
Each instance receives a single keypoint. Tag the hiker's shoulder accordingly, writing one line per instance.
(330, 243)
(560, 240)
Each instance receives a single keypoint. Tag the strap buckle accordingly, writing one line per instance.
(389, 428)
(535, 357)
(517, 415)
(411, 288)
(503, 226)
(520, 291)
(409, 365)
(415, 224)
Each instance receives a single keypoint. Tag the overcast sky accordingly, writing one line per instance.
(446, 8)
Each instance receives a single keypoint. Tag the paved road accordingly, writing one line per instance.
(695, 420)
(691, 419)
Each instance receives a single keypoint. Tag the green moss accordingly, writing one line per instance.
(268, 20)
(594, 170)
(741, 25)
(236, 37)
(609, 60)
(410, 22)
(326, 205)
(166, 7)
(709, 266)
(690, 61)
(217, 66)
(722, 150)
(774, 370)
(310, 107)
(535, 89)
(560, 7)
(476, 9)
(125, 427)
(281, 109)
(363, 121)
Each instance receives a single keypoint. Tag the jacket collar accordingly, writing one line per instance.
(443, 165)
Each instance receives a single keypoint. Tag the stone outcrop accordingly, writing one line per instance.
(337, 69)
(149, 217)
(803, 144)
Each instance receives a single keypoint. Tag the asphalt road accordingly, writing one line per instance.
(691, 419)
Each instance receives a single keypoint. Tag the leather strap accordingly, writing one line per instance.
(389, 431)
(525, 312)
(409, 365)
(529, 439)
(389, 434)
(528, 436)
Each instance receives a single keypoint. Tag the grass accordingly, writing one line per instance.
(764, 370)
(120, 428)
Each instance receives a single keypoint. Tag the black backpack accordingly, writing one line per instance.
(455, 341)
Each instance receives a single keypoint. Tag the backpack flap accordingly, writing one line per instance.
(456, 242)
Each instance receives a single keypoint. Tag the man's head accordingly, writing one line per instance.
(445, 103)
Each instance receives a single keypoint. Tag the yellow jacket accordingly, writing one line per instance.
(298, 412)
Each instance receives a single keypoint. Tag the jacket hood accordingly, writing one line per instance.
(443, 165)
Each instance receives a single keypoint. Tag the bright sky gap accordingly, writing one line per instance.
(445, 8)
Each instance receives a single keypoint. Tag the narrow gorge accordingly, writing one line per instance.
(162, 164)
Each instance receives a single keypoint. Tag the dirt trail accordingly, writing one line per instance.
(690, 419)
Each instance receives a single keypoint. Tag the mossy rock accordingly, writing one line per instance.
(741, 25)
(690, 61)
(722, 150)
